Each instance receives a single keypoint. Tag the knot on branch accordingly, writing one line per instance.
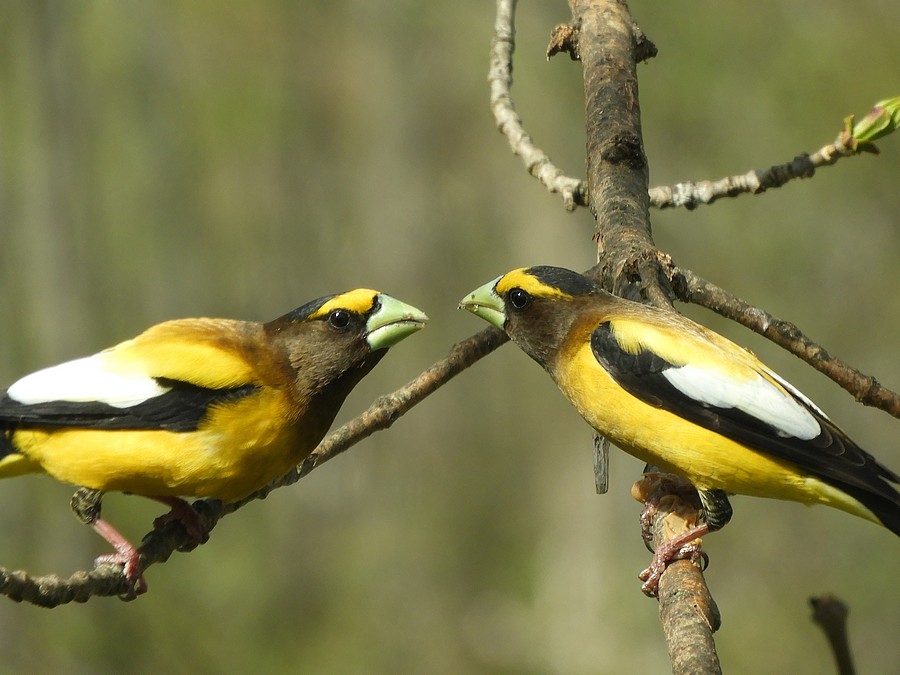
(624, 149)
(564, 38)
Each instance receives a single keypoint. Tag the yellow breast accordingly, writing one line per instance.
(239, 449)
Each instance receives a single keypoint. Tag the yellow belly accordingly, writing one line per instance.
(237, 452)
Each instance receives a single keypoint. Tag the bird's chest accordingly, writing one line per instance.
(602, 403)
(247, 446)
(649, 433)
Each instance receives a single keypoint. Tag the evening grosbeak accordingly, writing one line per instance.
(196, 407)
(685, 399)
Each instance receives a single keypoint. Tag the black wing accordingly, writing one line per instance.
(831, 456)
(182, 408)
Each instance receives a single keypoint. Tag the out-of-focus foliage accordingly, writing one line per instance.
(167, 159)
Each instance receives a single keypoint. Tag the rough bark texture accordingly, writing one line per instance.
(610, 46)
(617, 173)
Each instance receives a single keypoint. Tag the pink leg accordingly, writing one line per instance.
(183, 513)
(86, 505)
(679, 497)
(125, 555)
(676, 548)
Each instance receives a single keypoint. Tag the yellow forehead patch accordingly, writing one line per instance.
(530, 284)
(359, 301)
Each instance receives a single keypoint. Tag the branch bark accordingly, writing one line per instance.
(628, 262)
(690, 195)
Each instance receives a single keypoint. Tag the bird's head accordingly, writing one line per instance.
(535, 306)
(336, 340)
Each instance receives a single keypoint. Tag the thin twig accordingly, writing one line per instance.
(690, 195)
(508, 121)
(830, 614)
(158, 545)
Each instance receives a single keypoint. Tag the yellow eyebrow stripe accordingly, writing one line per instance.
(521, 279)
(360, 301)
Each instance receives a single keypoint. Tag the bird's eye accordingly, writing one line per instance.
(339, 318)
(519, 299)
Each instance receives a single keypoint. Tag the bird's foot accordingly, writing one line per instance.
(130, 561)
(662, 492)
(670, 514)
(182, 512)
(685, 546)
(125, 556)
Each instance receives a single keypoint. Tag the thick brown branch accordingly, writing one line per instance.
(610, 45)
(158, 545)
(691, 288)
(616, 164)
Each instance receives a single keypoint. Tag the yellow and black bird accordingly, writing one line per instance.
(196, 407)
(683, 398)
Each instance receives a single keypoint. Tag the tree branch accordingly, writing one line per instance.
(159, 544)
(387, 409)
(610, 45)
(617, 169)
(690, 195)
(508, 121)
(687, 611)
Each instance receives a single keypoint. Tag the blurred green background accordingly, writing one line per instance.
(169, 159)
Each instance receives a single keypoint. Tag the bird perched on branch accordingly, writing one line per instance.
(196, 407)
(683, 398)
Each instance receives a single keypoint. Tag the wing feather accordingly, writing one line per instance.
(747, 404)
(166, 378)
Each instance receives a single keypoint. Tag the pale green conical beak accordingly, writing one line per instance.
(485, 302)
(392, 321)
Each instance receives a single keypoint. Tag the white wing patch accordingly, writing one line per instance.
(796, 392)
(757, 397)
(83, 380)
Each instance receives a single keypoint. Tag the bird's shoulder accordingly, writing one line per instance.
(679, 341)
(208, 353)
